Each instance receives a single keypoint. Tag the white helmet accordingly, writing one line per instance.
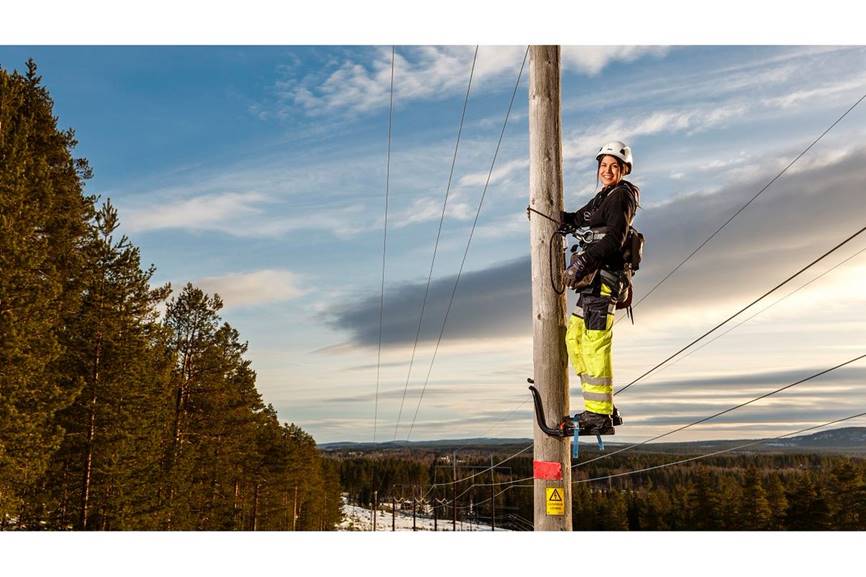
(618, 150)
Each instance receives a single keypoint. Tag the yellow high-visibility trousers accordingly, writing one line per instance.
(589, 340)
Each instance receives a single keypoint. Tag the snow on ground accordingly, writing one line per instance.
(361, 519)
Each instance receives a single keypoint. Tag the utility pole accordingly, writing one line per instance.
(393, 513)
(549, 357)
(435, 518)
(414, 507)
(295, 509)
(492, 496)
(375, 506)
(454, 490)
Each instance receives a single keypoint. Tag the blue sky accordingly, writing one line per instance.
(259, 173)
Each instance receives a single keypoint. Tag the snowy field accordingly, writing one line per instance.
(361, 519)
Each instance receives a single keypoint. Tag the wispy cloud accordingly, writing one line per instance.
(357, 86)
(253, 288)
(197, 213)
(591, 60)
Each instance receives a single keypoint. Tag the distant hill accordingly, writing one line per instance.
(848, 440)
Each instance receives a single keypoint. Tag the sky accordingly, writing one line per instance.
(259, 173)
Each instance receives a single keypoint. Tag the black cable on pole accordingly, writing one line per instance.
(754, 302)
(384, 246)
(436, 244)
(468, 242)
(719, 452)
(742, 208)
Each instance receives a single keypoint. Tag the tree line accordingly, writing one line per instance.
(726, 492)
(123, 405)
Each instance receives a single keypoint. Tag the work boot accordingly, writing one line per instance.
(594, 423)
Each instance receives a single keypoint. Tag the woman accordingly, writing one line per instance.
(597, 273)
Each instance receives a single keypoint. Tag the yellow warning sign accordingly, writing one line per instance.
(555, 501)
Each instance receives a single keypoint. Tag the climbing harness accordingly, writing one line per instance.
(570, 426)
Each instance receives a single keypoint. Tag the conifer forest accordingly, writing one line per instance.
(123, 405)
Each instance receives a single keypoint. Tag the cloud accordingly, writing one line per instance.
(488, 303)
(421, 73)
(584, 143)
(196, 213)
(823, 93)
(362, 85)
(776, 235)
(253, 288)
(591, 60)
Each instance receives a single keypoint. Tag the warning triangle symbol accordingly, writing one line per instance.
(555, 496)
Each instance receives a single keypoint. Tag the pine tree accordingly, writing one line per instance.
(43, 221)
(778, 503)
(117, 350)
(848, 492)
(755, 511)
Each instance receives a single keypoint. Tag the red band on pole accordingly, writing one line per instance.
(547, 470)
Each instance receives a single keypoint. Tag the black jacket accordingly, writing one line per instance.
(612, 210)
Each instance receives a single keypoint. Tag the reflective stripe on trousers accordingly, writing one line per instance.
(589, 340)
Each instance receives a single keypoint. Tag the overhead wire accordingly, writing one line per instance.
(384, 245)
(720, 413)
(693, 342)
(742, 208)
(768, 307)
(515, 483)
(754, 302)
(719, 452)
(436, 244)
(699, 421)
(469, 242)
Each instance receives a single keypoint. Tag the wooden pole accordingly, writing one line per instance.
(414, 507)
(454, 490)
(549, 357)
(375, 506)
(393, 513)
(295, 509)
(492, 496)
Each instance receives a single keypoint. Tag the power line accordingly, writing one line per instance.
(516, 483)
(768, 307)
(719, 452)
(384, 246)
(693, 342)
(720, 413)
(742, 208)
(703, 420)
(469, 242)
(472, 476)
(436, 244)
(754, 302)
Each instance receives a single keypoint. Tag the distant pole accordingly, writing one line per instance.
(295, 509)
(393, 513)
(414, 507)
(492, 496)
(375, 506)
(549, 357)
(435, 518)
(454, 490)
